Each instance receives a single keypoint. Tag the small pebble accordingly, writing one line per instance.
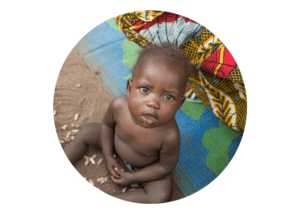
(131, 189)
(72, 137)
(92, 160)
(62, 141)
(91, 182)
(102, 180)
(94, 156)
(68, 135)
(54, 112)
(78, 86)
(72, 125)
(114, 156)
(66, 139)
(76, 116)
(74, 131)
(124, 189)
(86, 160)
(64, 127)
(100, 161)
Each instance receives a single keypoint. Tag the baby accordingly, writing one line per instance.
(141, 126)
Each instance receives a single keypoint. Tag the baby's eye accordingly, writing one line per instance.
(169, 97)
(143, 89)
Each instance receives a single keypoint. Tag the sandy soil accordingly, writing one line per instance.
(77, 91)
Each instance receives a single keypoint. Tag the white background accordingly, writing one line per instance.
(37, 36)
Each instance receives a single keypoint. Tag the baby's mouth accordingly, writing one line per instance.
(149, 119)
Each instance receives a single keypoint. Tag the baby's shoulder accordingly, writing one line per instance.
(119, 103)
(172, 133)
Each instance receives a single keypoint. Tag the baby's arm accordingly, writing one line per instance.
(168, 158)
(107, 136)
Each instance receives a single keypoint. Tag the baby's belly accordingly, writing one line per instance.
(132, 157)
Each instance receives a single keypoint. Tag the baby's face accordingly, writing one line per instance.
(156, 93)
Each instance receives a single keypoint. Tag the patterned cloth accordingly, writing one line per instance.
(162, 27)
(226, 98)
(217, 80)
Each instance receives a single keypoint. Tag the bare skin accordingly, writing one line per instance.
(153, 97)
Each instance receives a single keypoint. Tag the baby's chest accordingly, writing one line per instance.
(142, 141)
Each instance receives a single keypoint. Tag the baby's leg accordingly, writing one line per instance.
(153, 192)
(89, 134)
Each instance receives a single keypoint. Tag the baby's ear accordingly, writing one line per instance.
(128, 87)
(182, 101)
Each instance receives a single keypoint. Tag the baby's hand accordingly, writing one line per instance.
(126, 177)
(111, 164)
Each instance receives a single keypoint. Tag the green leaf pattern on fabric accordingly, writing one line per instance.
(194, 110)
(218, 140)
(127, 77)
(132, 53)
(113, 24)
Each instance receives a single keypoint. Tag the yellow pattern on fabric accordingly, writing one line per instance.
(221, 60)
(236, 75)
(148, 15)
(202, 46)
(124, 23)
(199, 89)
(227, 102)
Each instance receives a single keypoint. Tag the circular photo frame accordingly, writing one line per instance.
(114, 149)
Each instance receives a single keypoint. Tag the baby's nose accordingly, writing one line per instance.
(153, 103)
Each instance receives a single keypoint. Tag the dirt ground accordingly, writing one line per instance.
(77, 91)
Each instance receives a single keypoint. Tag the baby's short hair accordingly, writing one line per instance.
(168, 52)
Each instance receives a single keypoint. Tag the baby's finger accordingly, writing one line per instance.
(118, 166)
(119, 171)
(113, 173)
(115, 180)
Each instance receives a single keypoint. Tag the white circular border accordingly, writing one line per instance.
(261, 178)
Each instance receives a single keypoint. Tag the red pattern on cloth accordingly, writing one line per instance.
(211, 63)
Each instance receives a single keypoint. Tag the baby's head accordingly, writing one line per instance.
(159, 79)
